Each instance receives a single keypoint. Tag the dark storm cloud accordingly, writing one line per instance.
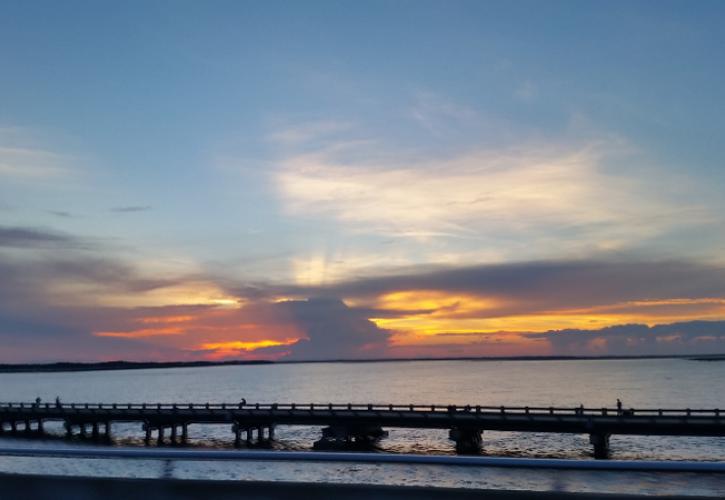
(334, 330)
(533, 286)
(692, 337)
(131, 209)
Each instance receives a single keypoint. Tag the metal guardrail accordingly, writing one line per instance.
(376, 458)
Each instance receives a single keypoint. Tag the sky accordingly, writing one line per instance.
(359, 180)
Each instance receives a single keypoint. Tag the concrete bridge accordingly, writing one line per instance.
(344, 424)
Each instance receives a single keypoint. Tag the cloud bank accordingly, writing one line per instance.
(63, 298)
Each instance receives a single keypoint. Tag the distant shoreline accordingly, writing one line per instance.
(134, 365)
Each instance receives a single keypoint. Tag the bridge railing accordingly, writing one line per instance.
(377, 407)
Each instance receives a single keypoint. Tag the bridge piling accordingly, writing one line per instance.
(600, 440)
(467, 440)
(341, 436)
(237, 430)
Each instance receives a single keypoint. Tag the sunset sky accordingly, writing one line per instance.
(333, 180)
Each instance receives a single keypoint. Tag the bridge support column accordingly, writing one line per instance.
(600, 440)
(95, 432)
(184, 433)
(467, 440)
(160, 437)
(147, 433)
(237, 430)
(342, 436)
(173, 434)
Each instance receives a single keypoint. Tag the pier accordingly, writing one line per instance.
(345, 424)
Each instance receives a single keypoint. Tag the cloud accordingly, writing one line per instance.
(31, 164)
(23, 237)
(334, 331)
(61, 213)
(42, 267)
(438, 114)
(23, 160)
(58, 294)
(308, 132)
(559, 197)
(545, 285)
(71, 303)
(696, 337)
(131, 209)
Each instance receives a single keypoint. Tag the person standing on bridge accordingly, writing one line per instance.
(619, 407)
(57, 401)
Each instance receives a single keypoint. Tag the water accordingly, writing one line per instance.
(660, 383)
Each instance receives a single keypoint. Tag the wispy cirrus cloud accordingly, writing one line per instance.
(563, 195)
(437, 114)
(23, 159)
(131, 209)
(61, 213)
(304, 133)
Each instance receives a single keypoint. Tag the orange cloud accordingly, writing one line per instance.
(143, 332)
(165, 319)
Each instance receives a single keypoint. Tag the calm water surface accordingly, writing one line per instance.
(673, 383)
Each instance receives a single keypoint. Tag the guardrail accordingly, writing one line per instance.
(377, 458)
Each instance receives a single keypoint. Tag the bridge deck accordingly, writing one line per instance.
(465, 422)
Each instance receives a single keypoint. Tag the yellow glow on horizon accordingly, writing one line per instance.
(241, 345)
(451, 322)
(440, 303)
